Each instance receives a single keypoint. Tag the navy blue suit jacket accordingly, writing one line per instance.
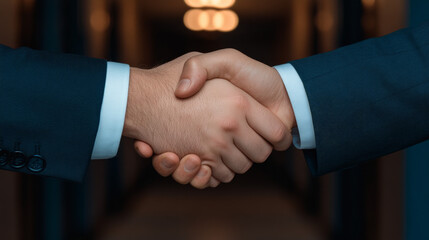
(49, 107)
(368, 99)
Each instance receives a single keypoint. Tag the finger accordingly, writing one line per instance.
(269, 126)
(200, 68)
(202, 179)
(252, 145)
(219, 170)
(143, 149)
(188, 168)
(235, 160)
(166, 163)
(213, 182)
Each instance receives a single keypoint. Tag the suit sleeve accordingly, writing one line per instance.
(368, 99)
(49, 111)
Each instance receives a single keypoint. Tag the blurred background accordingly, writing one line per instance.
(123, 198)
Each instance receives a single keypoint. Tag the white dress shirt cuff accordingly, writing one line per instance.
(112, 115)
(303, 137)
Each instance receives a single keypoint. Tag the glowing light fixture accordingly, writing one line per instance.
(229, 21)
(191, 19)
(204, 19)
(210, 20)
(218, 20)
(210, 3)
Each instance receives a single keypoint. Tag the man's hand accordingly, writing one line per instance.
(222, 125)
(259, 80)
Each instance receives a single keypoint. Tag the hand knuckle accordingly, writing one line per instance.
(264, 156)
(181, 181)
(232, 51)
(193, 53)
(229, 125)
(228, 178)
(199, 186)
(193, 62)
(279, 134)
(245, 167)
(240, 102)
(217, 144)
(214, 184)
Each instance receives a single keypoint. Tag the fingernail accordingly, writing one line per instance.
(167, 164)
(202, 173)
(183, 84)
(190, 166)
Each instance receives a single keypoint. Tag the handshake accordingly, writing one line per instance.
(204, 132)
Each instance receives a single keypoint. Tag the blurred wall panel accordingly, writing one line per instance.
(9, 22)
(97, 22)
(326, 22)
(301, 173)
(327, 201)
(131, 165)
(134, 46)
(98, 190)
(390, 197)
(301, 29)
(10, 215)
(392, 15)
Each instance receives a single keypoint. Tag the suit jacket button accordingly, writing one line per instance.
(4, 155)
(17, 159)
(36, 164)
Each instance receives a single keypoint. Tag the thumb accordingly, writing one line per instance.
(143, 149)
(193, 77)
(198, 69)
(166, 163)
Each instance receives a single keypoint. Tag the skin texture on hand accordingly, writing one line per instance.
(221, 124)
(259, 80)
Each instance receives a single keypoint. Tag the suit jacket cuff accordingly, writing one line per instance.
(112, 115)
(303, 136)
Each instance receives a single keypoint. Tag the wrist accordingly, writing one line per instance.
(284, 106)
(148, 102)
(130, 124)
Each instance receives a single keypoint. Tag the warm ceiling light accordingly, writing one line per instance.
(204, 20)
(210, 3)
(194, 3)
(218, 20)
(191, 19)
(230, 21)
(210, 20)
(210, 14)
(222, 3)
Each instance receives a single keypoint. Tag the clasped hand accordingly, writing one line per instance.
(204, 133)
